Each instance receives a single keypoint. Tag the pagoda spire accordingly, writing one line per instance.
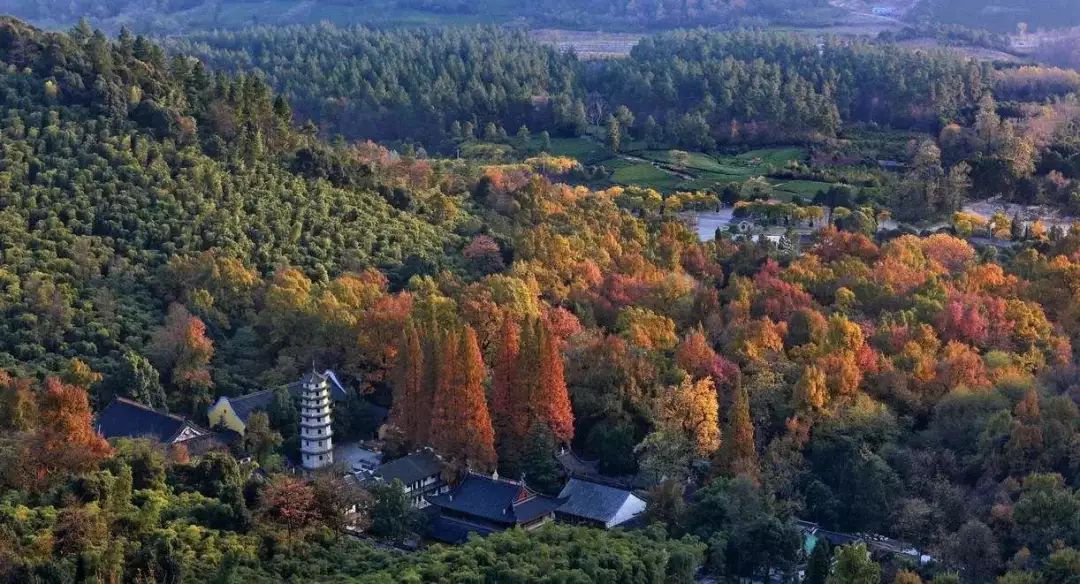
(316, 434)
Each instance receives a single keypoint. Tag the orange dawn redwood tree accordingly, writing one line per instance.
(410, 412)
(461, 424)
(552, 397)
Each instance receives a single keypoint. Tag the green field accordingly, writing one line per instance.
(774, 157)
(804, 188)
(708, 171)
(695, 161)
(585, 150)
(646, 175)
(705, 171)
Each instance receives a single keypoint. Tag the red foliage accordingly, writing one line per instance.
(288, 503)
(777, 298)
(833, 244)
(561, 323)
(697, 357)
(484, 255)
(962, 320)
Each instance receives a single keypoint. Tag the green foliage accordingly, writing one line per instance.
(542, 470)
(570, 555)
(746, 533)
(819, 564)
(446, 87)
(412, 84)
(101, 196)
(854, 566)
(260, 439)
(391, 513)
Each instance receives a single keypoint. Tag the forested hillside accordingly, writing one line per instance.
(489, 94)
(412, 84)
(116, 158)
(698, 88)
(170, 237)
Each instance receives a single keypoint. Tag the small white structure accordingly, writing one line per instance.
(316, 436)
(590, 503)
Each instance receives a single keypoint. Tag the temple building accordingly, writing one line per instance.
(125, 418)
(597, 505)
(420, 474)
(233, 412)
(483, 505)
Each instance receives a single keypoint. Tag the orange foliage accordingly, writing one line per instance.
(461, 425)
(960, 365)
(552, 397)
(65, 442)
(410, 411)
(507, 411)
(953, 254)
(696, 356)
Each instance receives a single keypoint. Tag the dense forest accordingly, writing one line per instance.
(173, 16)
(698, 88)
(481, 91)
(171, 236)
(411, 84)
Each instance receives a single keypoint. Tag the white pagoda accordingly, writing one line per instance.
(316, 445)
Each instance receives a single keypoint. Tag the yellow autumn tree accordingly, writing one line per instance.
(812, 391)
(691, 408)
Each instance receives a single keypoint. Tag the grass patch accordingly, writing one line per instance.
(586, 151)
(773, 157)
(645, 175)
(804, 188)
(694, 160)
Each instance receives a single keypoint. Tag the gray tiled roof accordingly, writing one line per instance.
(411, 468)
(211, 442)
(124, 418)
(245, 405)
(496, 500)
(592, 500)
